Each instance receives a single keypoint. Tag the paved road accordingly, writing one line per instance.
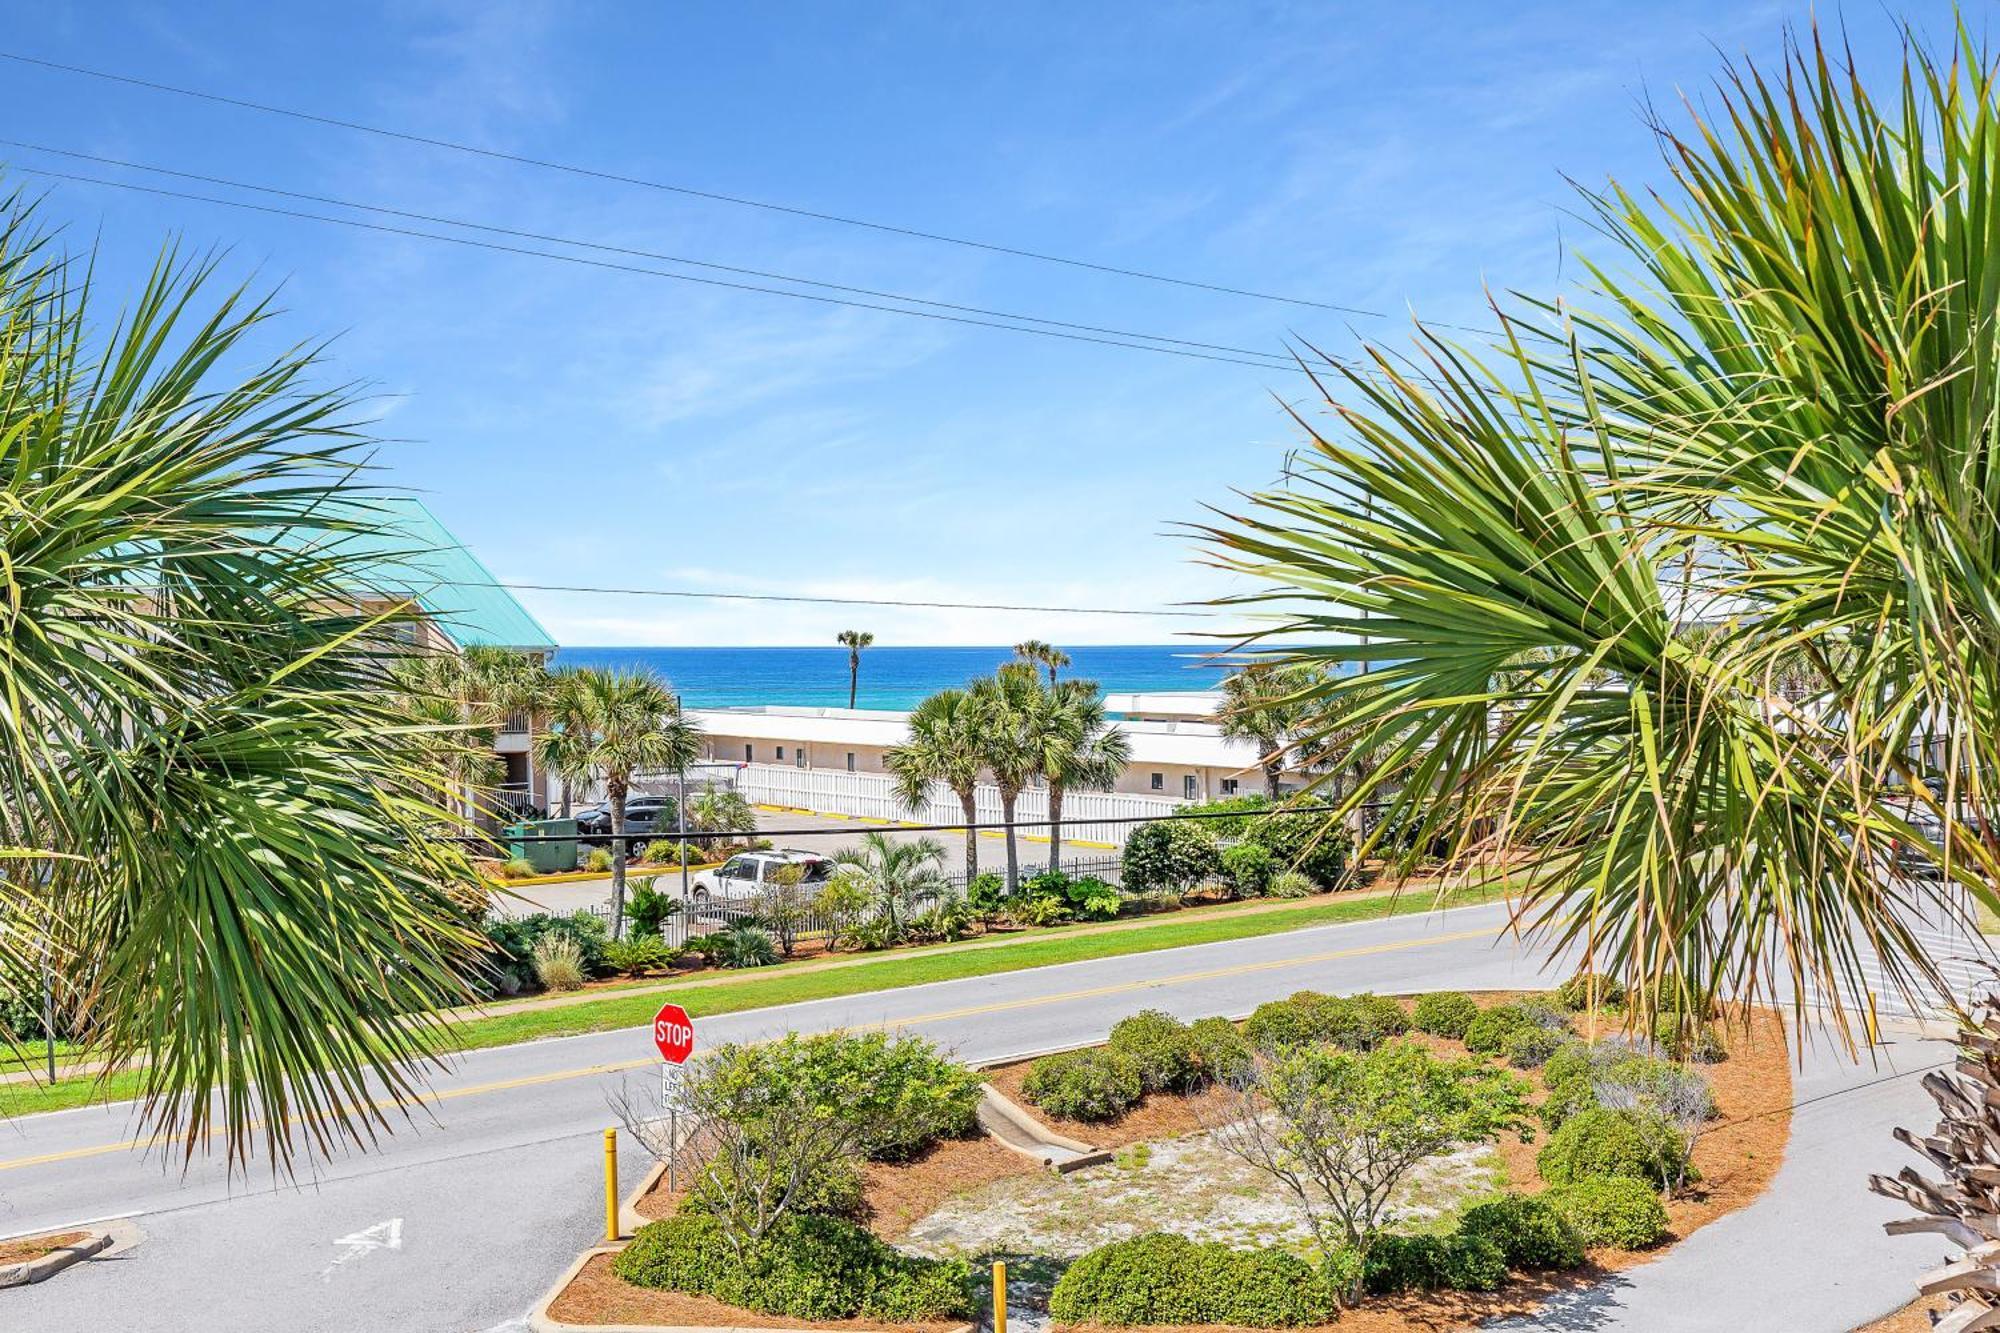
(493, 1191)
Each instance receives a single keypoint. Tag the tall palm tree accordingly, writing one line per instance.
(1035, 652)
(1011, 710)
(1078, 750)
(215, 813)
(943, 745)
(615, 723)
(1267, 703)
(854, 640)
(476, 688)
(1781, 428)
(895, 873)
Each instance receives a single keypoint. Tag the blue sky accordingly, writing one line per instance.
(586, 427)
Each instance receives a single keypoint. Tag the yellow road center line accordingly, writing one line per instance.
(944, 1015)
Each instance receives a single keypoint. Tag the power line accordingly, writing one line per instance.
(829, 601)
(1279, 360)
(587, 262)
(593, 173)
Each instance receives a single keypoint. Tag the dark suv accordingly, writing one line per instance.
(645, 817)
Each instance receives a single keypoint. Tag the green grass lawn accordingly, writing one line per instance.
(786, 986)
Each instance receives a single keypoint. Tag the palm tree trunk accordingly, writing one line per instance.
(1273, 766)
(1007, 796)
(615, 789)
(1055, 827)
(969, 803)
(853, 676)
(567, 797)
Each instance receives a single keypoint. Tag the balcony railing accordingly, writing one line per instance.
(515, 723)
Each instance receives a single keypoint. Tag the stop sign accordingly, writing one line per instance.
(673, 1033)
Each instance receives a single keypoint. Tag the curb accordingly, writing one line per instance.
(48, 1265)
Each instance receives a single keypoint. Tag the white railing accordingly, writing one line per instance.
(873, 795)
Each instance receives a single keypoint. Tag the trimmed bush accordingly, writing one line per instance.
(1529, 1048)
(1170, 856)
(1570, 1062)
(1445, 1013)
(1162, 1048)
(808, 1266)
(1384, 1017)
(1249, 867)
(1531, 1232)
(1598, 1141)
(1460, 1261)
(1487, 1033)
(1223, 1055)
(1357, 1022)
(1612, 1210)
(1590, 988)
(1084, 1085)
(1166, 1279)
(1565, 1099)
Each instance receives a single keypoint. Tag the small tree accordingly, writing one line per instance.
(1339, 1131)
(843, 900)
(893, 874)
(1170, 856)
(783, 905)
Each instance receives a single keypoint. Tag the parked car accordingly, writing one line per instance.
(645, 817)
(742, 875)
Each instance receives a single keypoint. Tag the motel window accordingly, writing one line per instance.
(1229, 786)
(781, 754)
(749, 752)
(850, 761)
(801, 756)
(1187, 787)
(1159, 782)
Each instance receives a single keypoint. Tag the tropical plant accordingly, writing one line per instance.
(894, 873)
(853, 640)
(1076, 748)
(607, 725)
(1013, 721)
(216, 817)
(1266, 703)
(719, 810)
(1685, 585)
(1036, 653)
(468, 692)
(944, 745)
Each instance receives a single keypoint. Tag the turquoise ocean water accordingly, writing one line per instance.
(890, 677)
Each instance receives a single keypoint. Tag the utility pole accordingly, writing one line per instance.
(681, 813)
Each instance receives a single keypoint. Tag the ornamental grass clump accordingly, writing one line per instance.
(558, 961)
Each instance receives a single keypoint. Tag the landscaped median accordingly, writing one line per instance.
(633, 1004)
(1510, 1146)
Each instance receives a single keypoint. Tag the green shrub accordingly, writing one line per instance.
(1170, 856)
(1614, 1210)
(637, 956)
(1566, 1098)
(1223, 1055)
(648, 908)
(1528, 1048)
(598, 860)
(1587, 989)
(808, 1266)
(1650, 1083)
(1357, 1022)
(1571, 1061)
(1249, 867)
(1093, 899)
(1385, 1017)
(834, 1190)
(1316, 848)
(985, 892)
(518, 867)
(1167, 1279)
(1459, 1261)
(1083, 1085)
(1488, 1032)
(512, 941)
(1241, 812)
(1161, 1046)
(740, 946)
(1545, 1014)
(1598, 1141)
(1531, 1232)
(1291, 884)
(1445, 1013)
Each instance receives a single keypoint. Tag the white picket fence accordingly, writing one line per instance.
(873, 796)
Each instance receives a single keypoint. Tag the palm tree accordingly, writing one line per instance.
(614, 723)
(1045, 655)
(1780, 430)
(1011, 711)
(1078, 750)
(474, 688)
(894, 873)
(943, 746)
(216, 814)
(1266, 703)
(854, 640)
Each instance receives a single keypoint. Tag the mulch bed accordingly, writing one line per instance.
(600, 1296)
(25, 1248)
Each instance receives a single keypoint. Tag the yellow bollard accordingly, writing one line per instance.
(610, 1185)
(999, 1296)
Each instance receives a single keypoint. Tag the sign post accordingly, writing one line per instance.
(673, 1034)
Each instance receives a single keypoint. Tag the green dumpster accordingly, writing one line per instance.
(557, 854)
